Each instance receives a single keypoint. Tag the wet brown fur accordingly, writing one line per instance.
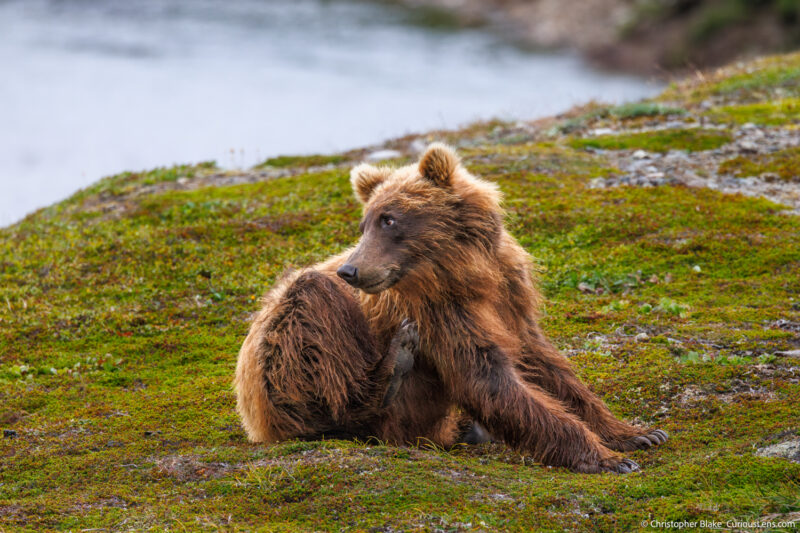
(317, 359)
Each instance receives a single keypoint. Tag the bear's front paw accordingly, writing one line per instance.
(406, 345)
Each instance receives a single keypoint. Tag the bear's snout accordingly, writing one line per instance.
(349, 273)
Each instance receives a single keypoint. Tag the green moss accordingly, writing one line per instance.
(119, 334)
(761, 80)
(775, 112)
(783, 165)
(657, 141)
(770, 78)
(644, 109)
(126, 182)
(302, 161)
(595, 114)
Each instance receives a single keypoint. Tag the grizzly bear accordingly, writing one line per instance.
(427, 328)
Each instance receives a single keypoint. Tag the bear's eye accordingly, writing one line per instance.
(387, 221)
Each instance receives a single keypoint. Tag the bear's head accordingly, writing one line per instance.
(423, 223)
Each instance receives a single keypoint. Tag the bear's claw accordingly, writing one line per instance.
(655, 437)
(662, 434)
(626, 466)
(614, 465)
(621, 465)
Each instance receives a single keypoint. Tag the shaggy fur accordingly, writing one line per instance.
(320, 356)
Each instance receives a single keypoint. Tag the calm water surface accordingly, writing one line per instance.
(93, 87)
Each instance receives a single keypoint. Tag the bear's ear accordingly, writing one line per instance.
(438, 164)
(364, 178)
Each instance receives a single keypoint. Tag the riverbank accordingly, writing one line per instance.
(676, 297)
(652, 38)
(353, 66)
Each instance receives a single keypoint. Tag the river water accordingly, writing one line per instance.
(90, 88)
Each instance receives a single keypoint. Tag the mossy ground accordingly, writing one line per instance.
(302, 161)
(783, 165)
(658, 141)
(119, 331)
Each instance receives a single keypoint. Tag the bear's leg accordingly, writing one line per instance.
(544, 366)
(310, 367)
(485, 384)
(421, 411)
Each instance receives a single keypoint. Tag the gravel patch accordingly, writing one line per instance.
(640, 168)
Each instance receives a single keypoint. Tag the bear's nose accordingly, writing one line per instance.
(348, 272)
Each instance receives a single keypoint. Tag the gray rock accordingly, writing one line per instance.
(673, 124)
(748, 146)
(9, 434)
(787, 450)
(597, 183)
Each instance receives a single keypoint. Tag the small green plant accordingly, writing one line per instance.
(28, 371)
(595, 343)
(600, 282)
(693, 357)
(89, 364)
(732, 360)
(767, 358)
(616, 305)
(597, 346)
(671, 307)
(575, 123)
